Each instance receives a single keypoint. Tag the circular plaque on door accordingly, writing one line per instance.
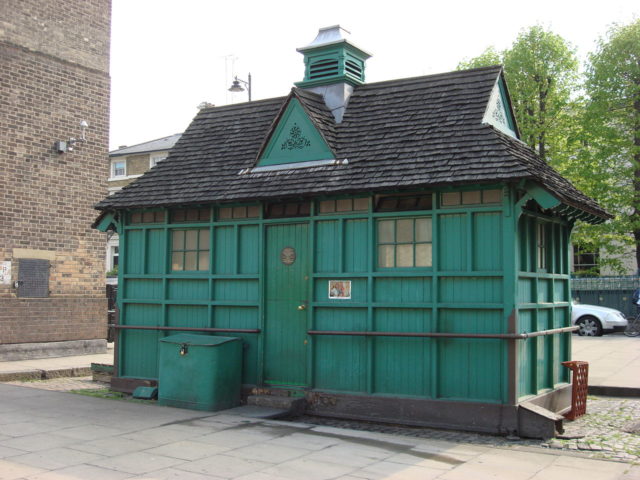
(288, 255)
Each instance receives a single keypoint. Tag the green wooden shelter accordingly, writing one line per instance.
(388, 251)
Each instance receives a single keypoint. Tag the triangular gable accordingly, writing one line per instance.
(294, 139)
(498, 111)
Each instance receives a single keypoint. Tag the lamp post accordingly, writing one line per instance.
(236, 86)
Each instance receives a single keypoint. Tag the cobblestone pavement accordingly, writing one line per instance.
(601, 433)
(598, 434)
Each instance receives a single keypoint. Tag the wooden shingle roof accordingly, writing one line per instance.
(401, 134)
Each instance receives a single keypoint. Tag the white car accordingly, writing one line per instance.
(594, 320)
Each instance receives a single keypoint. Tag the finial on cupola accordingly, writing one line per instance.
(333, 66)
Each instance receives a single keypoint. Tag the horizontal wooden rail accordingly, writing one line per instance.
(507, 336)
(185, 329)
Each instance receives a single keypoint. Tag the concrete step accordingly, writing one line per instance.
(292, 405)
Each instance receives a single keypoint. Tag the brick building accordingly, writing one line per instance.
(54, 74)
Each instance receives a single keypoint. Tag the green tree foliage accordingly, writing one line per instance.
(612, 129)
(593, 140)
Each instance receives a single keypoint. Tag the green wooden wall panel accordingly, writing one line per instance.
(224, 250)
(526, 355)
(156, 251)
(544, 350)
(245, 290)
(327, 246)
(340, 362)
(453, 237)
(139, 348)
(143, 289)
(191, 316)
(249, 249)
(188, 289)
(526, 290)
(402, 366)
(545, 290)
(470, 290)
(358, 291)
(470, 369)
(403, 290)
(560, 290)
(241, 317)
(356, 245)
(134, 251)
(487, 241)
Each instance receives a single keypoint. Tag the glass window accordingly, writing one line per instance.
(118, 168)
(541, 240)
(344, 205)
(228, 213)
(405, 242)
(190, 250)
(156, 216)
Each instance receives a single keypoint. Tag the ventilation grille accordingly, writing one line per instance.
(353, 69)
(323, 69)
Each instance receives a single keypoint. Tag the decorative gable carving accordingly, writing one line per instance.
(498, 113)
(294, 139)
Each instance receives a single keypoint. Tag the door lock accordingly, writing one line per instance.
(302, 307)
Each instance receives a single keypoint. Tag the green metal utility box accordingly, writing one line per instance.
(201, 372)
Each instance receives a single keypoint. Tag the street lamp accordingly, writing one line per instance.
(236, 86)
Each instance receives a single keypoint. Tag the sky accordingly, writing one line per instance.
(169, 56)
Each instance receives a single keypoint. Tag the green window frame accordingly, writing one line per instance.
(405, 242)
(190, 250)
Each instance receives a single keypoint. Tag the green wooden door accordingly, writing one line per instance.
(287, 279)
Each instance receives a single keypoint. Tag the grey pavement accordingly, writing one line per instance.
(47, 435)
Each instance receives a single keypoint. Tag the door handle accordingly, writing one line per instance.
(302, 306)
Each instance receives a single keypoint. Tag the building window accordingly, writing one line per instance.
(190, 215)
(344, 205)
(471, 197)
(155, 159)
(156, 216)
(118, 168)
(585, 260)
(114, 255)
(190, 250)
(229, 213)
(405, 242)
(541, 245)
(399, 203)
(284, 210)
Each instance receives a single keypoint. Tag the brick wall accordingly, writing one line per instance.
(54, 60)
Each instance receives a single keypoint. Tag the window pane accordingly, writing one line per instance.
(203, 261)
(192, 215)
(360, 204)
(204, 214)
(423, 229)
(450, 199)
(471, 198)
(404, 256)
(491, 196)
(224, 213)
(404, 231)
(176, 261)
(327, 206)
(239, 212)
(344, 205)
(385, 256)
(191, 240)
(178, 240)
(253, 211)
(136, 217)
(203, 244)
(385, 231)
(159, 217)
(190, 259)
(423, 255)
(148, 217)
(178, 215)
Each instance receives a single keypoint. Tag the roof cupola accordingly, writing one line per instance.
(332, 58)
(333, 66)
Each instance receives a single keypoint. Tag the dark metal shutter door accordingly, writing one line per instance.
(33, 278)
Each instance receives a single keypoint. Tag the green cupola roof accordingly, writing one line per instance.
(331, 58)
